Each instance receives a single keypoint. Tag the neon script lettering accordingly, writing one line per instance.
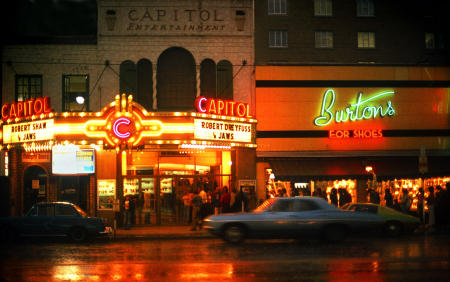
(358, 111)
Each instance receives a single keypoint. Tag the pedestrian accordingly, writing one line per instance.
(374, 197)
(186, 207)
(431, 208)
(216, 201)
(334, 197)
(405, 201)
(342, 200)
(240, 203)
(438, 206)
(204, 207)
(127, 209)
(197, 204)
(420, 200)
(397, 205)
(388, 198)
(251, 200)
(225, 200)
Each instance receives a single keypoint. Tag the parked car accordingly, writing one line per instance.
(394, 222)
(54, 219)
(291, 218)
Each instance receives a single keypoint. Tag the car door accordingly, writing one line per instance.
(278, 219)
(307, 217)
(66, 216)
(37, 220)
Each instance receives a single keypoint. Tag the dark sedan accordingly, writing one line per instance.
(292, 218)
(53, 219)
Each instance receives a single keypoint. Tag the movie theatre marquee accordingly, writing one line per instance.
(125, 124)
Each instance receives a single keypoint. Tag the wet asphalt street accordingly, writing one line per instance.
(411, 258)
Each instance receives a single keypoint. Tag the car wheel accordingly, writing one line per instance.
(334, 233)
(234, 234)
(78, 234)
(393, 228)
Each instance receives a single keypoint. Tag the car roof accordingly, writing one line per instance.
(318, 200)
(55, 203)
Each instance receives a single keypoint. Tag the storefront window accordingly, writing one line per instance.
(345, 189)
(106, 193)
(413, 185)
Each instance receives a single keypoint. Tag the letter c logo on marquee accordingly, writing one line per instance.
(121, 128)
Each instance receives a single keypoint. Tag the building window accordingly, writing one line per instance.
(366, 39)
(225, 80)
(208, 79)
(76, 93)
(323, 8)
(278, 39)
(28, 87)
(176, 86)
(277, 7)
(324, 39)
(365, 8)
(429, 40)
(128, 78)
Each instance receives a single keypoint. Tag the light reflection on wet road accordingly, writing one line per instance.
(415, 258)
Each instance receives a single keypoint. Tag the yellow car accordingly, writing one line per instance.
(395, 222)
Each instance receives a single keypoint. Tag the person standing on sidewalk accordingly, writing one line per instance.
(127, 208)
(196, 207)
(186, 207)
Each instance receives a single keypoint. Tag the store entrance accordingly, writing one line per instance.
(35, 187)
(164, 199)
(74, 189)
(172, 190)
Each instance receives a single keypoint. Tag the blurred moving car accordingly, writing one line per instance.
(291, 218)
(394, 222)
(53, 219)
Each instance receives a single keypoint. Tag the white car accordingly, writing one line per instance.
(292, 218)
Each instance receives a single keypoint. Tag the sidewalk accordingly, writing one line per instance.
(160, 232)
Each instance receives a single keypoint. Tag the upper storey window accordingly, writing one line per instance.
(323, 8)
(365, 8)
(28, 87)
(278, 39)
(277, 7)
(76, 93)
(366, 40)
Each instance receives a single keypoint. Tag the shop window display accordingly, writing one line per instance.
(345, 188)
(412, 186)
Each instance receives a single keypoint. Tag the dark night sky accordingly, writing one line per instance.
(48, 18)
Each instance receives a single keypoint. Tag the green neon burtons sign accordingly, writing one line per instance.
(362, 109)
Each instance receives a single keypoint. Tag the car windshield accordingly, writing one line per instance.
(82, 212)
(265, 205)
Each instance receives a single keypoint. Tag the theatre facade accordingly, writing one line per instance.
(159, 104)
(352, 127)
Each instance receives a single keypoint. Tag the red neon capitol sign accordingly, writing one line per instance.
(222, 107)
(28, 108)
(121, 128)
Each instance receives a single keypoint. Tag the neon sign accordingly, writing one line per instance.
(28, 108)
(118, 126)
(356, 134)
(222, 107)
(358, 111)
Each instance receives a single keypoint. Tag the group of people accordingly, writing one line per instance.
(338, 197)
(199, 205)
